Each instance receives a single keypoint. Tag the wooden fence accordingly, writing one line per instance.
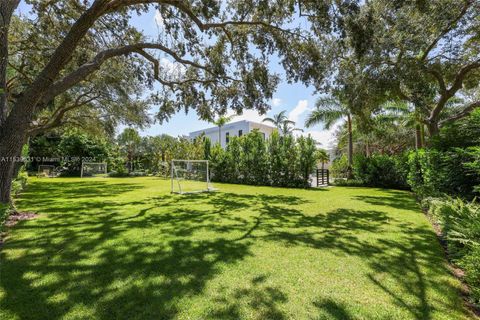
(323, 177)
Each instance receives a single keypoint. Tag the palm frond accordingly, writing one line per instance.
(269, 120)
(327, 116)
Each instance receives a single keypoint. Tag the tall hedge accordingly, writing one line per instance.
(279, 161)
(433, 172)
(382, 171)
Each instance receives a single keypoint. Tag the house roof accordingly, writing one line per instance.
(229, 125)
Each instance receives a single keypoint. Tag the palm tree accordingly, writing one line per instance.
(323, 157)
(329, 111)
(399, 111)
(288, 127)
(129, 140)
(278, 119)
(282, 123)
(220, 122)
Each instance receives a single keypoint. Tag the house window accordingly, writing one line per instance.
(227, 137)
(240, 133)
(263, 134)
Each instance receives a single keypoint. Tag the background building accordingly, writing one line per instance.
(234, 129)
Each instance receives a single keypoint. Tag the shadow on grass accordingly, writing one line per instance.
(264, 300)
(332, 310)
(394, 199)
(139, 266)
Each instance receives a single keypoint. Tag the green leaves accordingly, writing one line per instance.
(327, 111)
(278, 161)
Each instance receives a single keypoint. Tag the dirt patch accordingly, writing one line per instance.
(14, 218)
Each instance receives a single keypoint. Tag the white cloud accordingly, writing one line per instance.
(326, 138)
(276, 102)
(300, 108)
(173, 70)
(158, 19)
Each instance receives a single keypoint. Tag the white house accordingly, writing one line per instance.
(233, 129)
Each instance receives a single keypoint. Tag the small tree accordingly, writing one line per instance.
(308, 157)
(329, 111)
(76, 145)
(129, 141)
(254, 159)
(322, 157)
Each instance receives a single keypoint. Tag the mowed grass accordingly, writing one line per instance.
(127, 249)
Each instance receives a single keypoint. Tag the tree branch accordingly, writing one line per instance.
(438, 76)
(447, 29)
(462, 114)
(183, 7)
(457, 85)
(88, 68)
(56, 119)
(7, 7)
(461, 74)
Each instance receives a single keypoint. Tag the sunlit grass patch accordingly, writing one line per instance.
(128, 249)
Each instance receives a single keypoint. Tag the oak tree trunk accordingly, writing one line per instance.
(433, 128)
(418, 137)
(350, 148)
(10, 152)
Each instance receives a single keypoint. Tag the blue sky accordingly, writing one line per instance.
(296, 98)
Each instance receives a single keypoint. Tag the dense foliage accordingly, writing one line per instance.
(279, 161)
(129, 154)
(433, 172)
(460, 224)
(382, 171)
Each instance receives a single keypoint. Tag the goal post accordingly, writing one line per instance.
(190, 176)
(93, 169)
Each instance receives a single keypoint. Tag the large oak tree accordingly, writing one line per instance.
(426, 53)
(209, 55)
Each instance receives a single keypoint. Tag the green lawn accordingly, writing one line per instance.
(127, 249)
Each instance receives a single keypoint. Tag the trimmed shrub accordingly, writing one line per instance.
(339, 167)
(460, 223)
(20, 182)
(433, 173)
(307, 159)
(471, 265)
(382, 171)
(280, 161)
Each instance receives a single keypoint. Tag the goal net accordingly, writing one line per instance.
(190, 176)
(93, 169)
(46, 171)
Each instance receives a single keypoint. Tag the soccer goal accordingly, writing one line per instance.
(190, 176)
(46, 171)
(93, 169)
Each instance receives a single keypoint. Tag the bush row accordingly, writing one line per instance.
(427, 172)
(454, 172)
(279, 161)
(460, 224)
(382, 171)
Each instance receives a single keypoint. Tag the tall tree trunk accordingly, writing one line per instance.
(418, 137)
(6, 177)
(10, 152)
(350, 147)
(433, 128)
(422, 135)
(6, 10)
